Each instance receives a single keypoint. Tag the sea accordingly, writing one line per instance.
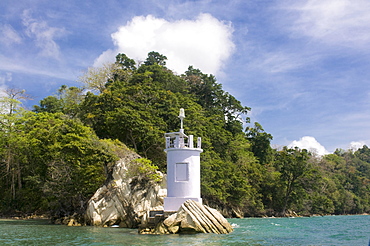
(326, 230)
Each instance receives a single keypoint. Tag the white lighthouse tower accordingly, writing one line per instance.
(183, 168)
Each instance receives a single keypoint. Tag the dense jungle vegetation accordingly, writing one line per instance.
(54, 157)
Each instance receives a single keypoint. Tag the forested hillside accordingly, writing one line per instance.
(54, 157)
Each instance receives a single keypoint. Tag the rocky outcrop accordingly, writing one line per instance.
(133, 198)
(72, 220)
(192, 217)
(127, 199)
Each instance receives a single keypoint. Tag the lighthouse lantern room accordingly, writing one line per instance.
(183, 168)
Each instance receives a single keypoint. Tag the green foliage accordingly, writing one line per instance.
(66, 101)
(53, 159)
(260, 143)
(154, 58)
(144, 167)
(293, 167)
(125, 63)
(218, 104)
(139, 110)
(50, 104)
(11, 102)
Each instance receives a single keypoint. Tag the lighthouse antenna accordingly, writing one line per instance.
(182, 116)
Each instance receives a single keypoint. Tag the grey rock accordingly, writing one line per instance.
(192, 217)
(127, 198)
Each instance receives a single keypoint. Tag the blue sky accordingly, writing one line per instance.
(302, 66)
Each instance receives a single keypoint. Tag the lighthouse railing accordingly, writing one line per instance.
(179, 142)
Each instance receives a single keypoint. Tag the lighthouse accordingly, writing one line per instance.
(183, 168)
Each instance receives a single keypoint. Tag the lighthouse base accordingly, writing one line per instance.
(172, 204)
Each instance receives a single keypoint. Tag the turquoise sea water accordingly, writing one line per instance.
(327, 230)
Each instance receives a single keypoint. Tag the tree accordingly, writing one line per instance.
(96, 78)
(11, 139)
(10, 103)
(66, 101)
(137, 105)
(55, 164)
(154, 58)
(12, 145)
(260, 143)
(125, 63)
(140, 109)
(218, 103)
(49, 104)
(293, 166)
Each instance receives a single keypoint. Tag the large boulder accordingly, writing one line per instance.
(192, 217)
(128, 197)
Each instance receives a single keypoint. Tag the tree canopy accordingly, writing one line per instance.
(54, 158)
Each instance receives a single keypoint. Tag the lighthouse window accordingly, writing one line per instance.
(182, 171)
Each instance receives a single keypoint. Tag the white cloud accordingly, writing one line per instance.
(4, 77)
(206, 43)
(43, 34)
(355, 145)
(8, 35)
(39, 68)
(342, 22)
(281, 61)
(309, 143)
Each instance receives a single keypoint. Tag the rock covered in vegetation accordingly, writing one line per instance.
(72, 220)
(192, 217)
(135, 189)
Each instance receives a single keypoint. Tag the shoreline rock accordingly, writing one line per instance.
(192, 217)
(126, 199)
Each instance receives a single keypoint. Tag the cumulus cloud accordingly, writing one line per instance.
(309, 143)
(43, 34)
(354, 145)
(206, 42)
(343, 22)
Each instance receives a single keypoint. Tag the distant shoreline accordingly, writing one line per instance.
(46, 217)
(27, 217)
